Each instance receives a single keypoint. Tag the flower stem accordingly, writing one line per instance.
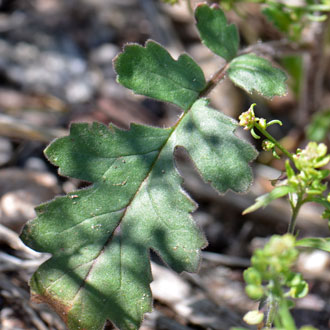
(295, 211)
(270, 314)
(270, 138)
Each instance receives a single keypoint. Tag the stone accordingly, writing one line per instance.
(314, 262)
(20, 192)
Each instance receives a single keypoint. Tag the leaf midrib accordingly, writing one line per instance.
(178, 84)
(129, 203)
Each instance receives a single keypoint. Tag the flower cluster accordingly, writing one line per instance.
(247, 119)
(271, 274)
(272, 265)
(308, 161)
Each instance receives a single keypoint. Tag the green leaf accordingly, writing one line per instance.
(254, 73)
(300, 290)
(316, 243)
(216, 34)
(265, 199)
(100, 237)
(151, 71)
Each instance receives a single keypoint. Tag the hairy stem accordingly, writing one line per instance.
(277, 48)
(217, 77)
(270, 138)
(270, 313)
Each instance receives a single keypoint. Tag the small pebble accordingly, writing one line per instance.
(314, 262)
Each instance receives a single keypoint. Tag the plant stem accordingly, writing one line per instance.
(271, 311)
(217, 77)
(295, 211)
(270, 138)
(277, 48)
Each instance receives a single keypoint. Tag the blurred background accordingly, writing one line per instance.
(56, 68)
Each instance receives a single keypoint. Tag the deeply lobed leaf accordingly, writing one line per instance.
(216, 34)
(100, 237)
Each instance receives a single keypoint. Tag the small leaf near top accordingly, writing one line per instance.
(254, 73)
(216, 34)
(264, 200)
(151, 71)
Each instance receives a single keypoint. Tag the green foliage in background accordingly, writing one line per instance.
(289, 18)
(319, 128)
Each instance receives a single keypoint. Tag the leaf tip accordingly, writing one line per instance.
(201, 4)
(248, 210)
